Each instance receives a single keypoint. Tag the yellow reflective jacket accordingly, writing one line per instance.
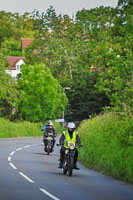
(67, 137)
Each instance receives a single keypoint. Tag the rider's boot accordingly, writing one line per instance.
(60, 165)
(45, 145)
(52, 149)
(45, 148)
(76, 166)
(61, 162)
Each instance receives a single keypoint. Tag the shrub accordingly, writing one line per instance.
(22, 129)
(108, 145)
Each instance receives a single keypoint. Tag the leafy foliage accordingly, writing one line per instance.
(107, 140)
(41, 95)
(67, 53)
(12, 47)
(99, 37)
(13, 25)
(22, 129)
(8, 91)
(84, 98)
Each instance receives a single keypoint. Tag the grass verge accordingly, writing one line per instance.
(22, 129)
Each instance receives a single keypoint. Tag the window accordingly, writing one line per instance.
(17, 67)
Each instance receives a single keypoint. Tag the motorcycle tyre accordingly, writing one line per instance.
(48, 148)
(70, 167)
(64, 169)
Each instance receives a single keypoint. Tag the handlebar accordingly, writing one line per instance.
(79, 146)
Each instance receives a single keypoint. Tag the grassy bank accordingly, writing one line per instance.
(22, 129)
(108, 145)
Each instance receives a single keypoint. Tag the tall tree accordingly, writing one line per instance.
(84, 97)
(116, 81)
(41, 94)
(13, 25)
(67, 53)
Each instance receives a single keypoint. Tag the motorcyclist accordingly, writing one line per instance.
(48, 123)
(49, 128)
(70, 135)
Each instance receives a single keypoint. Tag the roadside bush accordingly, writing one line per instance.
(108, 145)
(22, 129)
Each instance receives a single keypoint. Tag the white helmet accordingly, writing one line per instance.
(50, 122)
(71, 125)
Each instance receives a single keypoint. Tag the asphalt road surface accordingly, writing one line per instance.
(27, 173)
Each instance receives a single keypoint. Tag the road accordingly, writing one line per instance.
(26, 172)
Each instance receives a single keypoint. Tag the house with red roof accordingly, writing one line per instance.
(16, 61)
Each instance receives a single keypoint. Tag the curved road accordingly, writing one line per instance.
(26, 172)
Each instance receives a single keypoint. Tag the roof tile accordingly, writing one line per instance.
(13, 60)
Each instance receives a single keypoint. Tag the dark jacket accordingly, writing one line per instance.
(50, 130)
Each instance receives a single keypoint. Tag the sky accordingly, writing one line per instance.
(69, 7)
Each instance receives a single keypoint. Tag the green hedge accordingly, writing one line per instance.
(22, 129)
(108, 145)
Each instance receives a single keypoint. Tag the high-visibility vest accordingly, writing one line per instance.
(67, 137)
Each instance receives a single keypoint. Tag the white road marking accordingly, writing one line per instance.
(12, 153)
(48, 194)
(13, 166)
(9, 158)
(19, 149)
(35, 144)
(26, 177)
(27, 146)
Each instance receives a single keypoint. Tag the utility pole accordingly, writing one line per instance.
(65, 88)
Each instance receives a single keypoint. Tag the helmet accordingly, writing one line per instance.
(49, 122)
(71, 125)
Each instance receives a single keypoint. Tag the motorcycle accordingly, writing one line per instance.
(68, 162)
(50, 143)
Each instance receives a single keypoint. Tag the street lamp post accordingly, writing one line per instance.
(65, 88)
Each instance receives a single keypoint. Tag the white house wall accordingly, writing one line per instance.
(13, 73)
